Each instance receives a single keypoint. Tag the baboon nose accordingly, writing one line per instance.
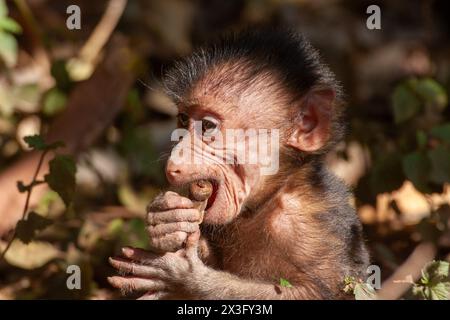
(173, 172)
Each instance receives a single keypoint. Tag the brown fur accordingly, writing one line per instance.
(286, 238)
(296, 224)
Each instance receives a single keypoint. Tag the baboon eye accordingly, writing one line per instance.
(183, 120)
(209, 125)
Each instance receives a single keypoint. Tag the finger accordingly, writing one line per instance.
(169, 200)
(168, 243)
(163, 229)
(140, 255)
(131, 284)
(176, 215)
(138, 270)
(192, 244)
(145, 257)
(159, 295)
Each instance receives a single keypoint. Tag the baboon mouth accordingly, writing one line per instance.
(213, 196)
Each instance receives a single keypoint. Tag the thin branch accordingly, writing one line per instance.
(39, 52)
(103, 30)
(82, 66)
(33, 183)
(38, 168)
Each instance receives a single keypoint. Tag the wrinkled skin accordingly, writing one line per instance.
(163, 276)
(263, 227)
(170, 219)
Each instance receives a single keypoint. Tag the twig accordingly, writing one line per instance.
(81, 67)
(40, 55)
(103, 30)
(33, 183)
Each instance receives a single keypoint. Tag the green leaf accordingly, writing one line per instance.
(435, 282)
(364, 291)
(26, 229)
(405, 103)
(419, 291)
(442, 132)
(9, 25)
(440, 291)
(22, 187)
(432, 93)
(285, 283)
(60, 74)
(435, 271)
(35, 142)
(416, 167)
(349, 284)
(8, 49)
(61, 177)
(440, 165)
(54, 101)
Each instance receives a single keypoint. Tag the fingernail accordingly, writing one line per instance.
(127, 251)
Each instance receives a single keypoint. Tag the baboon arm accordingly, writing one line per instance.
(219, 285)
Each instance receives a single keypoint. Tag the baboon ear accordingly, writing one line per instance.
(313, 128)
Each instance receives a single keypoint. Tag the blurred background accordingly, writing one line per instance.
(97, 89)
